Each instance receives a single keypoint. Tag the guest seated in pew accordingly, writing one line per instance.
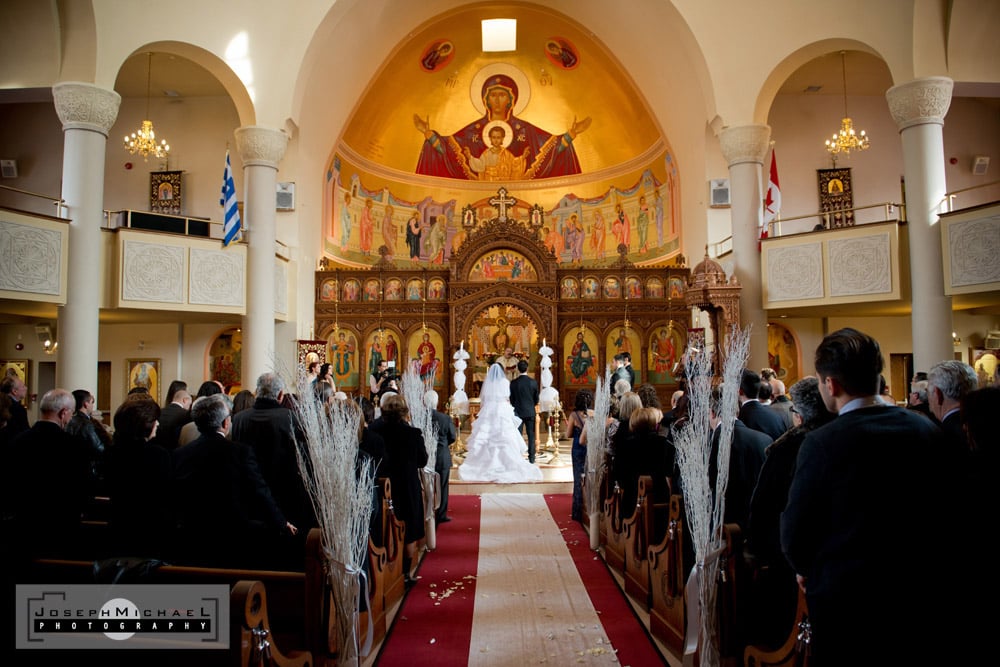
(774, 592)
(226, 512)
(643, 452)
(406, 455)
(139, 472)
(49, 481)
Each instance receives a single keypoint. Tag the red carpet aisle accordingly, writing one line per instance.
(434, 625)
(625, 631)
(530, 605)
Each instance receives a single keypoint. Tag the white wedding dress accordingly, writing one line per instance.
(496, 450)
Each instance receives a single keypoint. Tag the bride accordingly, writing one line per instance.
(495, 448)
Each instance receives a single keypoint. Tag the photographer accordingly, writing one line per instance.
(382, 380)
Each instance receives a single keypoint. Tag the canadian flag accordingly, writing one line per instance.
(772, 202)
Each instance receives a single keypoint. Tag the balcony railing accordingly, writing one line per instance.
(32, 197)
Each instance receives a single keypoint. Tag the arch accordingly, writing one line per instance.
(793, 61)
(506, 234)
(214, 65)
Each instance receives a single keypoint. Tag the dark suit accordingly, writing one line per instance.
(442, 462)
(49, 480)
(524, 398)
(745, 461)
(18, 422)
(172, 419)
(272, 431)
(225, 509)
(859, 509)
(761, 418)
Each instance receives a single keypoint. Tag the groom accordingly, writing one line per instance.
(524, 398)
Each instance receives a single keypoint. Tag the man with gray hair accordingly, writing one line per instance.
(442, 463)
(51, 480)
(273, 432)
(226, 510)
(947, 384)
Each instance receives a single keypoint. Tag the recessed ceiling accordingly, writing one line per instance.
(866, 75)
(168, 73)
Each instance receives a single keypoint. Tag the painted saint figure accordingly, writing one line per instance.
(342, 350)
(580, 359)
(413, 232)
(389, 232)
(642, 224)
(345, 222)
(621, 226)
(367, 228)
(545, 155)
(598, 236)
(428, 359)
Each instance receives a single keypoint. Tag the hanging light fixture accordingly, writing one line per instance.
(847, 139)
(143, 142)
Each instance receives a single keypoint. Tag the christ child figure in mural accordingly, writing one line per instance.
(549, 154)
(428, 359)
(496, 163)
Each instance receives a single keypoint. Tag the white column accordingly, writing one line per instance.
(261, 149)
(744, 148)
(919, 108)
(87, 113)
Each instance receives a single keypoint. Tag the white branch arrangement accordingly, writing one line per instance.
(704, 506)
(413, 389)
(341, 489)
(596, 429)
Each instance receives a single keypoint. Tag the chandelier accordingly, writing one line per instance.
(143, 142)
(847, 139)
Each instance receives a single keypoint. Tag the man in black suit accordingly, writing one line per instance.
(753, 413)
(524, 398)
(14, 387)
(442, 462)
(947, 384)
(746, 458)
(272, 431)
(49, 478)
(226, 510)
(172, 418)
(859, 502)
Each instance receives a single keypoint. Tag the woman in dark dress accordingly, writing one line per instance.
(138, 476)
(405, 456)
(575, 423)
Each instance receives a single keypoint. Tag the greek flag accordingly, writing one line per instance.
(231, 229)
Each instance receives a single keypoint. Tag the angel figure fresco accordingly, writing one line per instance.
(542, 154)
(366, 225)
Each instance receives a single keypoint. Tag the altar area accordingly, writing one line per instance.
(502, 286)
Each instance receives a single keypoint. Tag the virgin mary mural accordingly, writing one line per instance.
(542, 153)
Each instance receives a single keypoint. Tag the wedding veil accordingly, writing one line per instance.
(496, 387)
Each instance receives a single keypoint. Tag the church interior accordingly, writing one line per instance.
(619, 177)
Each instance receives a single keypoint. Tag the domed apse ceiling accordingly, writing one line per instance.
(561, 126)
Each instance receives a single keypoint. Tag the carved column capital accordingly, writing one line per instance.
(260, 146)
(920, 102)
(745, 143)
(84, 106)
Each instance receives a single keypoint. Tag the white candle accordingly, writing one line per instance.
(461, 345)
(543, 343)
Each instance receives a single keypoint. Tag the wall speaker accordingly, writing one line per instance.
(980, 164)
(8, 168)
(718, 192)
(285, 197)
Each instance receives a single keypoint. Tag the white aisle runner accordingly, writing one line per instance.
(531, 607)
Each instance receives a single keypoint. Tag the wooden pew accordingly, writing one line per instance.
(250, 642)
(794, 652)
(292, 610)
(667, 574)
(388, 534)
(611, 517)
(638, 530)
